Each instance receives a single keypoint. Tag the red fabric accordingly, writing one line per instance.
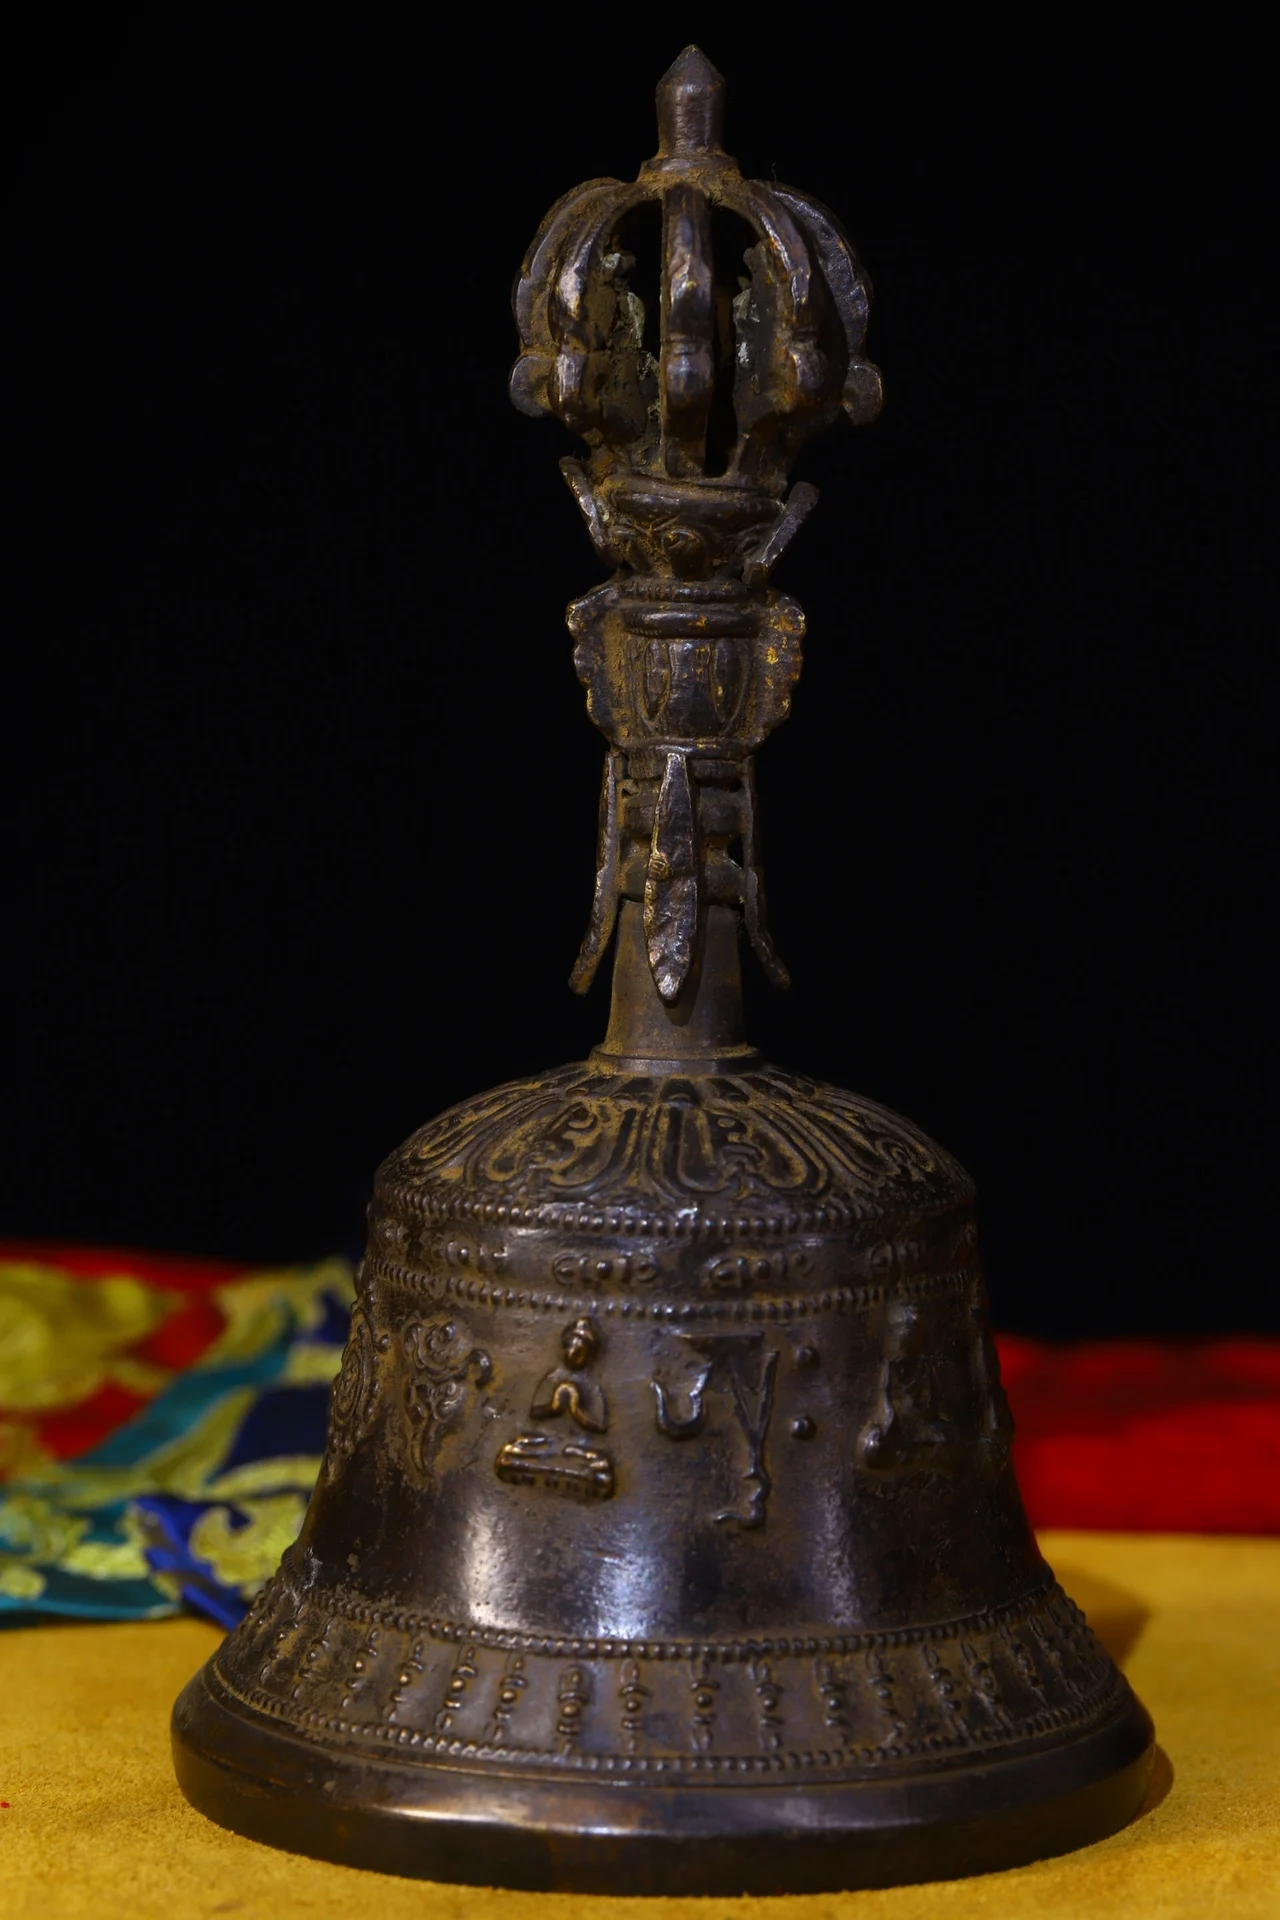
(71, 1431)
(178, 1341)
(177, 1271)
(183, 1337)
(1144, 1435)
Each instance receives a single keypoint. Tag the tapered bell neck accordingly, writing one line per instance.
(701, 1032)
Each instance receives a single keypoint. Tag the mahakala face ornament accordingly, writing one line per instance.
(667, 1538)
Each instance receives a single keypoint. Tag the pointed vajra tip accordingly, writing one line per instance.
(692, 71)
(690, 104)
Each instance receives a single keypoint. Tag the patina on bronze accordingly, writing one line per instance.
(667, 1538)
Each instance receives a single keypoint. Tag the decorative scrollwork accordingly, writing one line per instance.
(444, 1359)
(355, 1389)
(767, 1139)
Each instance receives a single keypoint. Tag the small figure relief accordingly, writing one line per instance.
(944, 1687)
(908, 1426)
(464, 1672)
(565, 1464)
(740, 1362)
(881, 1682)
(280, 1642)
(444, 1360)
(538, 1460)
(1089, 1664)
(834, 1696)
(411, 1670)
(1026, 1667)
(769, 1695)
(704, 1688)
(632, 1694)
(315, 1667)
(357, 1678)
(982, 1685)
(572, 1697)
(355, 1390)
(1048, 1631)
(511, 1684)
(568, 1388)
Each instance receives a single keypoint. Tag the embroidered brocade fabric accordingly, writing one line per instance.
(161, 1428)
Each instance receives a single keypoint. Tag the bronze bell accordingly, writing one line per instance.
(667, 1538)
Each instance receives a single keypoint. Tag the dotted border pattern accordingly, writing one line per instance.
(1091, 1707)
(347, 1606)
(858, 1762)
(477, 1291)
(685, 1223)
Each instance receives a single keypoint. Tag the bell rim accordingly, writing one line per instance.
(492, 1828)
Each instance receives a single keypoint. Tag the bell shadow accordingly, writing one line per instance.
(1118, 1617)
(1159, 1785)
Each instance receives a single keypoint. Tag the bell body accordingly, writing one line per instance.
(667, 1537)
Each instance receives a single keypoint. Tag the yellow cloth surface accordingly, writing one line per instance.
(95, 1826)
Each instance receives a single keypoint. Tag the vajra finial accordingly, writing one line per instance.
(690, 98)
(694, 329)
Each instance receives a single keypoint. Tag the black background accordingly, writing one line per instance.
(304, 788)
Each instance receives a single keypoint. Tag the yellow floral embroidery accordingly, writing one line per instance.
(311, 1365)
(62, 1338)
(290, 1470)
(245, 1557)
(19, 1582)
(108, 1560)
(35, 1529)
(260, 1308)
